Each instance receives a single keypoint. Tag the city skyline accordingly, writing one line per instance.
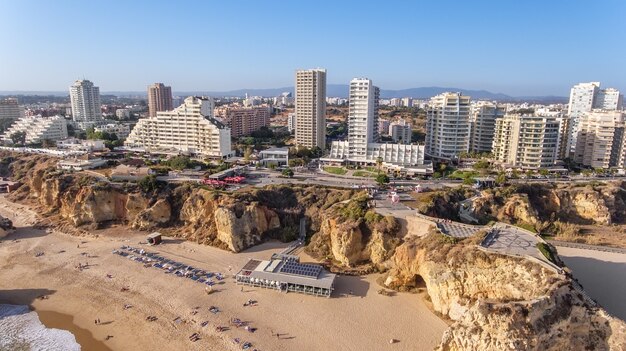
(526, 49)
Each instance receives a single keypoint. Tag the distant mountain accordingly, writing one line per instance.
(334, 90)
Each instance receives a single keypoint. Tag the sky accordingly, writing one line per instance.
(520, 48)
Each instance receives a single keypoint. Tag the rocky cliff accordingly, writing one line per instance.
(352, 234)
(577, 203)
(498, 302)
(233, 221)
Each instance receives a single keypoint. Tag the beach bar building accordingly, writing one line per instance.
(286, 273)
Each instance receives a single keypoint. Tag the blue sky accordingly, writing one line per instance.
(528, 47)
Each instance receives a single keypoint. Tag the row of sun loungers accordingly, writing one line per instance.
(151, 259)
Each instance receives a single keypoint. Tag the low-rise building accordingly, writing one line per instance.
(129, 173)
(75, 144)
(81, 163)
(37, 129)
(121, 130)
(189, 128)
(391, 155)
(275, 155)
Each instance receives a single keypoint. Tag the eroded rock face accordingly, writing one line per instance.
(502, 303)
(154, 216)
(244, 228)
(604, 204)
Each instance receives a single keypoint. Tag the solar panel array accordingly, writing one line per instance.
(304, 270)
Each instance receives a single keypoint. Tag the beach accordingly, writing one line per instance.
(363, 320)
(601, 274)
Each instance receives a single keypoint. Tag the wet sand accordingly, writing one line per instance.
(84, 337)
(601, 274)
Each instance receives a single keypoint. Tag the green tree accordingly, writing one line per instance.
(179, 162)
(287, 172)
(544, 172)
(18, 138)
(379, 163)
(481, 165)
(148, 183)
(501, 178)
(382, 179)
(48, 143)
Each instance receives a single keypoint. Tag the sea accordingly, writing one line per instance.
(21, 329)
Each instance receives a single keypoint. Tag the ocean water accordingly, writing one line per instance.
(21, 329)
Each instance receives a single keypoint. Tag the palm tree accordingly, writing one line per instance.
(379, 163)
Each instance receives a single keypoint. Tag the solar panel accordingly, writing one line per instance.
(305, 270)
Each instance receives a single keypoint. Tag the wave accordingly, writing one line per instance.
(21, 329)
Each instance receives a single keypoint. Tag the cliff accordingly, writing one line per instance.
(233, 221)
(352, 234)
(498, 302)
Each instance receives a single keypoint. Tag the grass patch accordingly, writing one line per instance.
(546, 251)
(364, 174)
(527, 226)
(335, 170)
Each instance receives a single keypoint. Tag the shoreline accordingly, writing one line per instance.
(89, 294)
(84, 337)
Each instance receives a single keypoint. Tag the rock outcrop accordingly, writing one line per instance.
(6, 226)
(499, 302)
(351, 234)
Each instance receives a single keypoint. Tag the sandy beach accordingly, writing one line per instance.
(364, 321)
(601, 274)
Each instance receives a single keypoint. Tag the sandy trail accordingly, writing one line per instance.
(363, 322)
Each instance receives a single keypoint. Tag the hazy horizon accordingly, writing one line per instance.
(530, 48)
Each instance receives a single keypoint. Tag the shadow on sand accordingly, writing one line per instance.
(25, 233)
(600, 281)
(23, 296)
(346, 285)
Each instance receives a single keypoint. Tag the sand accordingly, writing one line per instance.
(366, 321)
(601, 274)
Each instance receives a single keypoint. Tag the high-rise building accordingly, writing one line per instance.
(36, 129)
(10, 109)
(362, 116)
(400, 132)
(482, 125)
(526, 141)
(189, 128)
(159, 99)
(599, 138)
(311, 108)
(383, 127)
(447, 125)
(245, 120)
(292, 122)
(407, 102)
(583, 98)
(608, 99)
(85, 98)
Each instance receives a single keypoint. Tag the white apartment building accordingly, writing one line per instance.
(447, 125)
(122, 113)
(292, 122)
(189, 128)
(120, 130)
(482, 125)
(85, 98)
(600, 138)
(311, 108)
(525, 141)
(407, 102)
(583, 98)
(383, 127)
(38, 129)
(10, 109)
(362, 116)
(392, 154)
(400, 132)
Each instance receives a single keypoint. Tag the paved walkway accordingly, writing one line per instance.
(458, 230)
(587, 246)
(509, 239)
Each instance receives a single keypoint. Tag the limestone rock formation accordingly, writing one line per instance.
(499, 302)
